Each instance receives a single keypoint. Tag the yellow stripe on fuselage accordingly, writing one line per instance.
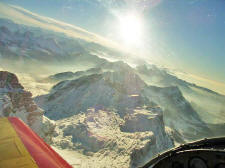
(13, 153)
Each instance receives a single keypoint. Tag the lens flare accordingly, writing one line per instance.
(131, 29)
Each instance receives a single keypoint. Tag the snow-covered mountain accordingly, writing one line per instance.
(178, 112)
(105, 66)
(103, 110)
(15, 101)
(20, 42)
(119, 90)
(26, 35)
(122, 89)
(209, 104)
(164, 89)
(110, 89)
(25, 17)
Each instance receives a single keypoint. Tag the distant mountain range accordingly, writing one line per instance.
(25, 17)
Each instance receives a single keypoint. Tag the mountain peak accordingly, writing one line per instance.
(9, 80)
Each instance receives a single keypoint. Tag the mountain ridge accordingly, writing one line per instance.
(26, 17)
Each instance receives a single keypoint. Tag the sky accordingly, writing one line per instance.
(184, 34)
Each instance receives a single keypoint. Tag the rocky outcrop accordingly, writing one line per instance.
(102, 134)
(149, 119)
(9, 81)
(15, 101)
(139, 120)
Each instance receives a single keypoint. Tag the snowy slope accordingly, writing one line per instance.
(105, 139)
(208, 104)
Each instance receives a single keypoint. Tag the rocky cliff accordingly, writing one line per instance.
(111, 141)
(15, 101)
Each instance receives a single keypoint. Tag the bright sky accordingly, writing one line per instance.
(185, 34)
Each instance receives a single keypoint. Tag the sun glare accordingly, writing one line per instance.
(131, 29)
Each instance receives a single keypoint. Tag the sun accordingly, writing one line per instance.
(131, 29)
